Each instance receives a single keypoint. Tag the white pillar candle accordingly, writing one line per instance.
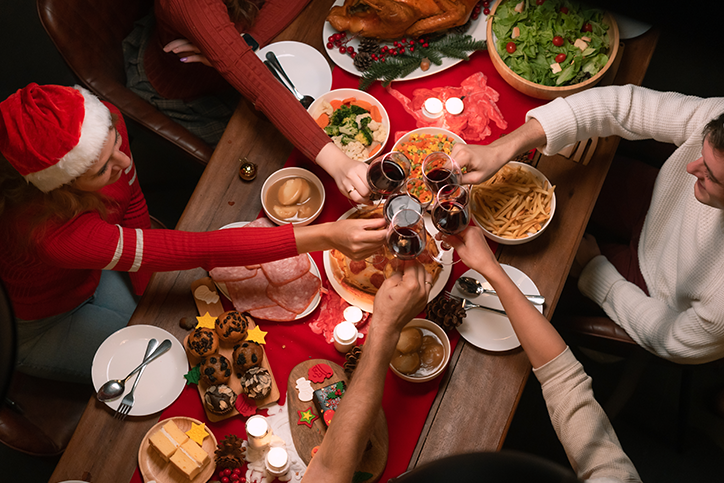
(454, 105)
(345, 336)
(277, 461)
(353, 314)
(258, 432)
(432, 107)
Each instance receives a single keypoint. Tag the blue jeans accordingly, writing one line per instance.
(62, 347)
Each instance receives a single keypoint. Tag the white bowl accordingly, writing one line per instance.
(437, 330)
(533, 236)
(288, 173)
(341, 94)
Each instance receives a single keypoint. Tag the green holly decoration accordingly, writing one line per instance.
(193, 376)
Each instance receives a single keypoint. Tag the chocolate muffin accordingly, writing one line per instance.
(215, 369)
(202, 342)
(248, 354)
(256, 383)
(220, 399)
(231, 326)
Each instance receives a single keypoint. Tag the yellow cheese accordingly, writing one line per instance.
(167, 439)
(196, 452)
(182, 460)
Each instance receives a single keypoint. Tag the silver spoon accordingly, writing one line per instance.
(472, 286)
(114, 388)
(274, 62)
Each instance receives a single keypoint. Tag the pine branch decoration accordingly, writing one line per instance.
(455, 46)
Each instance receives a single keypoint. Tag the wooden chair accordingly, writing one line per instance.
(89, 34)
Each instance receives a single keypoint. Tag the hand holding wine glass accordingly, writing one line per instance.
(406, 235)
(388, 172)
(438, 170)
(451, 210)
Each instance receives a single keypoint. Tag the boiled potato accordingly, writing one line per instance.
(410, 340)
(431, 354)
(290, 191)
(406, 363)
(306, 211)
(285, 212)
(306, 191)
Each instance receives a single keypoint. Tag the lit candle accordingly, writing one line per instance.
(258, 432)
(277, 461)
(454, 105)
(345, 336)
(432, 107)
(353, 314)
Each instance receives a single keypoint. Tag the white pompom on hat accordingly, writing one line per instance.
(52, 134)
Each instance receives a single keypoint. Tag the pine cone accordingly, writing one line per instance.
(363, 61)
(371, 46)
(229, 453)
(351, 360)
(447, 314)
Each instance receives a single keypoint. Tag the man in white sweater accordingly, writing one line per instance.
(681, 246)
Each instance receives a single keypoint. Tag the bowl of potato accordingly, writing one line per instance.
(422, 352)
(292, 195)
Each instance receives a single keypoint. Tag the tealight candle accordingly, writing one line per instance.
(353, 314)
(277, 461)
(258, 432)
(454, 105)
(345, 336)
(432, 107)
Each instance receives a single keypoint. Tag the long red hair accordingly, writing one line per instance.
(244, 11)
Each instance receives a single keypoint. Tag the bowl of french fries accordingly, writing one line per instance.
(515, 205)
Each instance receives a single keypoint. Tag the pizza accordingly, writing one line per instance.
(364, 277)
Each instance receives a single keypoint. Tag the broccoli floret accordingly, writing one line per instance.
(349, 127)
(332, 130)
(339, 115)
(363, 120)
(364, 136)
(345, 140)
(357, 110)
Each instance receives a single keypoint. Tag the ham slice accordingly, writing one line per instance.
(230, 274)
(284, 271)
(275, 312)
(263, 222)
(296, 295)
(250, 294)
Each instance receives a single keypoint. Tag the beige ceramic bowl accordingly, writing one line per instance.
(290, 173)
(341, 94)
(549, 92)
(517, 241)
(437, 330)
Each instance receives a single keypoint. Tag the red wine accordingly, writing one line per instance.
(406, 243)
(439, 177)
(450, 217)
(399, 202)
(385, 176)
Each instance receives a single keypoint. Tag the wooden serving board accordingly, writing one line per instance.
(153, 467)
(226, 350)
(305, 438)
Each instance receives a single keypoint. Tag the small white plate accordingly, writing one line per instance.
(488, 330)
(353, 299)
(314, 269)
(477, 30)
(305, 66)
(629, 28)
(162, 381)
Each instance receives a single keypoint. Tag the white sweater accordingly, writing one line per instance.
(681, 251)
(581, 424)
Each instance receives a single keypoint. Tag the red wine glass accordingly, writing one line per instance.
(451, 211)
(406, 234)
(438, 170)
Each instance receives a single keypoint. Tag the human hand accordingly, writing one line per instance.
(357, 239)
(480, 162)
(349, 175)
(401, 297)
(587, 250)
(472, 247)
(186, 51)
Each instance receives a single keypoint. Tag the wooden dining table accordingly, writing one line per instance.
(104, 449)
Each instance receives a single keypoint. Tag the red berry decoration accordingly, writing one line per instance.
(350, 49)
(486, 3)
(353, 54)
(402, 50)
(560, 58)
(330, 45)
(558, 41)
(412, 48)
(382, 59)
(426, 45)
(564, 10)
(225, 479)
(343, 50)
(234, 477)
(511, 47)
(486, 11)
(226, 472)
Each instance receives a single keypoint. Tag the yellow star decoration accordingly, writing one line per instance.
(197, 433)
(207, 321)
(256, 335)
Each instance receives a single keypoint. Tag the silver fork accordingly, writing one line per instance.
(127, 403)
(467, 304)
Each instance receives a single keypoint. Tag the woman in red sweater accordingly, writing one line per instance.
(73, 219)
(196, 93)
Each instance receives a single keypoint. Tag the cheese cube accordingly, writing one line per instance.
(556, 67)
(519, 8)
(581, 44)
(516, 33)
(167, 439)
(190, 459)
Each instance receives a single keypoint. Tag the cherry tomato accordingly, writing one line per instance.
(560, 58)
(564, 10)
(539, 2)
(587, 27)
(558, 41)
(511, 47)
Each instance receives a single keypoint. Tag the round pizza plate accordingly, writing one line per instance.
(314, 269)
(365, 304)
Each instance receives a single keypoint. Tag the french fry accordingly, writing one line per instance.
(513, 203)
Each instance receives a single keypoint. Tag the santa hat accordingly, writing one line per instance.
(52, 134)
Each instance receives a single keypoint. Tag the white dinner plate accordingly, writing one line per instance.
(488, 330)
(306, 67)
(314, 269)
(162, 381)
(628, 27)
(477, 30)
(353, 299)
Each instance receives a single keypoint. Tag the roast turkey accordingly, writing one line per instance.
(393, 19)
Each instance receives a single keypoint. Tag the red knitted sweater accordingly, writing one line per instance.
(63, 267)
(207, 25)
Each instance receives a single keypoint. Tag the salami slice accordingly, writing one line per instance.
(261, 222)
(230, 274)
(284, 271)
(274, 313)
(250, 294)
(296, 295)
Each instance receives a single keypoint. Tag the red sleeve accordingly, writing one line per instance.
(206, 24)
(274, 17)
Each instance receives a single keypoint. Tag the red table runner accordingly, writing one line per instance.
(406, 404)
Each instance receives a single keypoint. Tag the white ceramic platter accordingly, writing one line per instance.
(305, 66)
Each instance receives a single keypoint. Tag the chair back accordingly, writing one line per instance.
(8, 342)
(89, 35)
